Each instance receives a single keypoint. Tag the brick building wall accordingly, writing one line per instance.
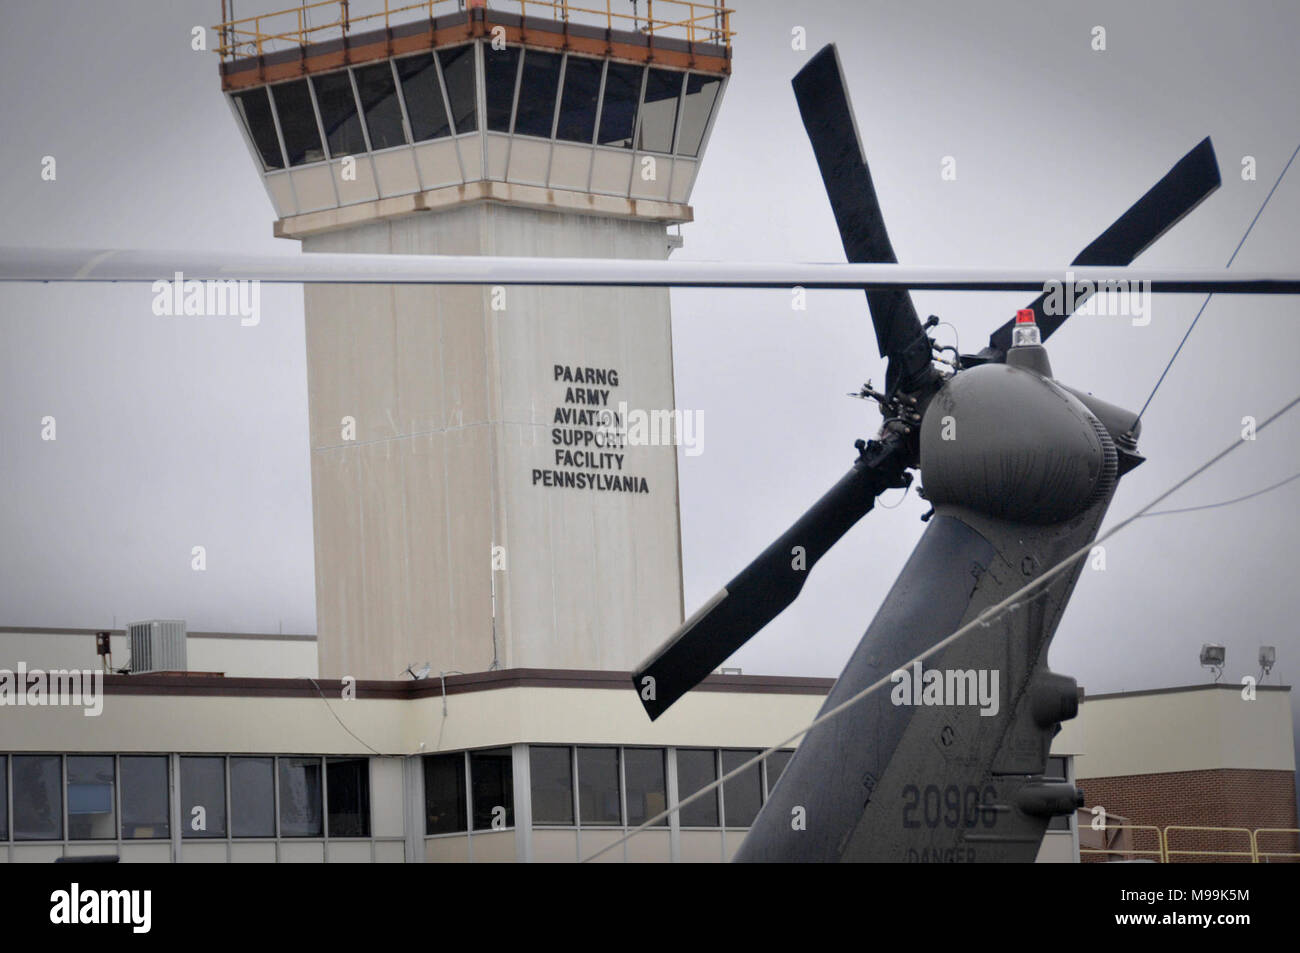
(1223, 797)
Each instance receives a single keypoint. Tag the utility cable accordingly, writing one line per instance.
(1239, 499)
(1188, 333)
(340, 720)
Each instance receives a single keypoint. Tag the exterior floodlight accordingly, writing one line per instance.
(1213, 657)
(1267, 659)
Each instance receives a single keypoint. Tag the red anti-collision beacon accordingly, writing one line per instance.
(1027, 351)
(1025, 332)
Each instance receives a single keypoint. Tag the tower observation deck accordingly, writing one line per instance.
(470, 508)
(438, 102)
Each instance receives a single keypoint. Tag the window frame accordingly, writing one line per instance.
(404, 120)
(185, 833)
(619, 779)
(573, 789)
(636, 105)
(666, 823)
(61, 787)
(369, 815)
(289, 165)
(115, 809)
(677, 112)
(464, 792)
(167, 787)
(563, 57)
(235, 99)
(177, 820)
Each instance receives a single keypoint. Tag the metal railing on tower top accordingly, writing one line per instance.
(696, 21)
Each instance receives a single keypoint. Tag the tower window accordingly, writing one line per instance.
(297, 122)
(579, 100)
(537, 92)
(618, 109)
(701, 94)
(254, 109)
(458, 73)
(379, 104)
(424, 104)
(659, 112)
(338, 114)
(500, 70)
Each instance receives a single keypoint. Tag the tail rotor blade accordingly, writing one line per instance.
(765, 587)
(828, 118)
(1194, 177)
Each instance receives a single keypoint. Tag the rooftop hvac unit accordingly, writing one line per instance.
(157, 645)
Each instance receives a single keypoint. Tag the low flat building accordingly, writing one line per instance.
(539, 764)
(1210, 768)
(514, 765)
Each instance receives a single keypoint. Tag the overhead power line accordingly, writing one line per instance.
(1239, 499)
(1233, 258)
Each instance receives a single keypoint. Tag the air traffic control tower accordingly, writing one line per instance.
(469, 510)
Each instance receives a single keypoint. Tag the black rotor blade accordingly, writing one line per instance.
(770, 583)
(1183, 188)
(828, 118)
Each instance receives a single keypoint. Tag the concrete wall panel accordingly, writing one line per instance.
(529, 159)
(455, 397)
(396, 172)
(438, 163)
(359, 185)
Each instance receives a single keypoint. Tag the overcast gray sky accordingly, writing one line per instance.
(173, 433)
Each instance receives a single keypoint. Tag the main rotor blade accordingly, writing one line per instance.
(767, 585)
(832, 129)
(1183, 187)
(96, 265)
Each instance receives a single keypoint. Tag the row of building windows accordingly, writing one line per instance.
(107, 797)
(594, 787)
(527, 92)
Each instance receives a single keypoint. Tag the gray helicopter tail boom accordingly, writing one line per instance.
(947, 762)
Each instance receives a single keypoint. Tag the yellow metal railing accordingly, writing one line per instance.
(1261, 854)
(1164, 853)
(698, 21)
(1159, 850)
(1250, 843)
